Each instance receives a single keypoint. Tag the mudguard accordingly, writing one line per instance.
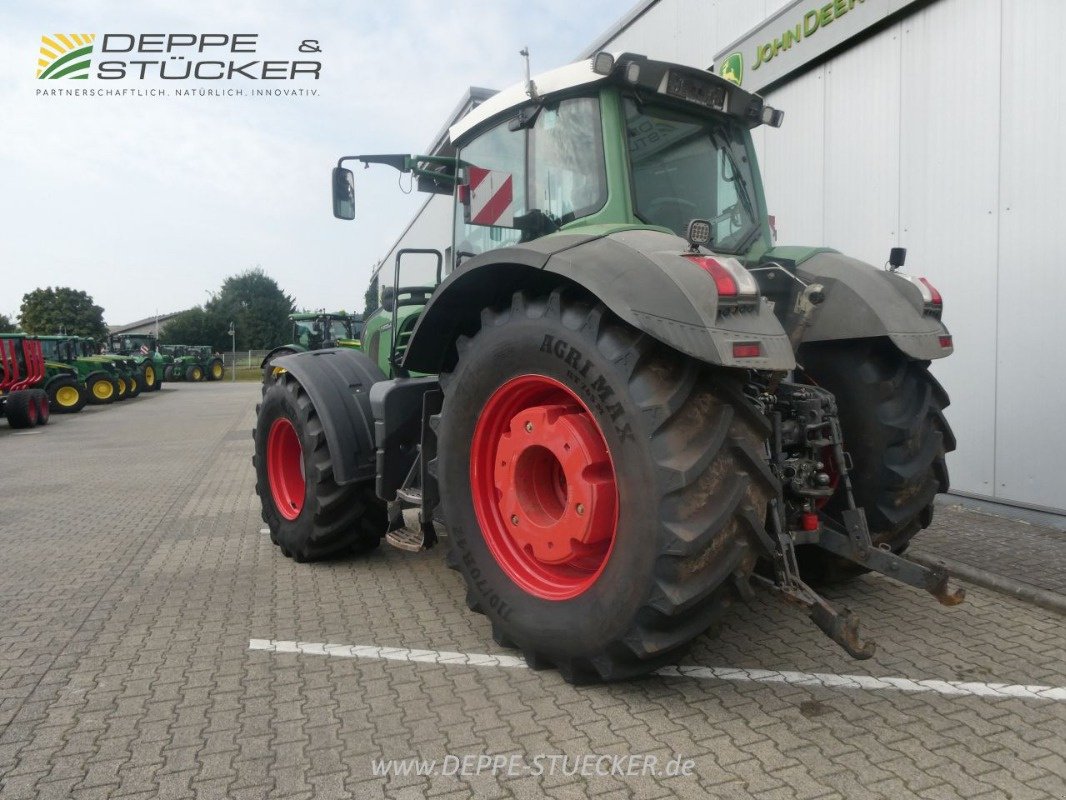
(338, 381)
(638, 274)
(283, 348)
(862, 301)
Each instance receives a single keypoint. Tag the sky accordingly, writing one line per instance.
(149, 203)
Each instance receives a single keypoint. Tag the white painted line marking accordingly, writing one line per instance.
(948, 688)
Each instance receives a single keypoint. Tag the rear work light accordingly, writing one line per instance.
(747, 350)
(732, 281)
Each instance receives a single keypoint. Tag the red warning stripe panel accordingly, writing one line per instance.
(491, 197)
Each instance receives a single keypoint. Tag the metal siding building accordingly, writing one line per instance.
(936, 132)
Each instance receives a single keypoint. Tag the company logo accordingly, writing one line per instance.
(733, 68)
(65, 55)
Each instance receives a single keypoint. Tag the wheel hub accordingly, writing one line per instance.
(67, 396)
(285, 468)
(555, 482)
(543, 487)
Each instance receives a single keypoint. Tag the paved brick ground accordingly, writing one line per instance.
(1033, 554)
(133, 575)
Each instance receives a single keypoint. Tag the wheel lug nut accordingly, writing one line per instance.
(529, 427)
(514, 519)
(580, 509)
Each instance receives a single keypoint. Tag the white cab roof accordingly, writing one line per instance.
(557, 80)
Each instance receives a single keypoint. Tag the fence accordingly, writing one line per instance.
(244, 358)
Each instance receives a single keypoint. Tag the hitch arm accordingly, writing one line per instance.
(856, 547)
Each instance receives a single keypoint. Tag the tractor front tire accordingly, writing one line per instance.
(194, 373)
(601, 491)
(102, 390)
(66, 395)
(168, 373)
(123, 388)
(310, 516)
(134, 385)
(149, 378)
(892, 416)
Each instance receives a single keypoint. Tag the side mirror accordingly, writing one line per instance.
(343, 193)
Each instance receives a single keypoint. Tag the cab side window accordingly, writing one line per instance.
(494, 188)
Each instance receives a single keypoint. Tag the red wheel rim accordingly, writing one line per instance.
(42, 409)
(544, 487)
(31, 411)
(285, 468)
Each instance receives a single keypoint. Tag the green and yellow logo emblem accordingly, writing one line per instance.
(65, 55)
(733, 68)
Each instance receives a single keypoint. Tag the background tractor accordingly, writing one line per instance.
(314, 331)
(189, 362)
(98, 374)
(143, 349)
(22, 400)
(127, 373)
(635, 407)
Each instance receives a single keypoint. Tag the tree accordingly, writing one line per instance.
(255, 303)
(194, 326)
(6, 326)
(371, 298)
(62, 310)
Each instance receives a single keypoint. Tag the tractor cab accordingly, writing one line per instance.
(588, 150)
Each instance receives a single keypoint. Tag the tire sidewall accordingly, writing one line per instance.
(544, 346)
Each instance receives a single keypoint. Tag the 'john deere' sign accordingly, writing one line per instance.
(797, 34)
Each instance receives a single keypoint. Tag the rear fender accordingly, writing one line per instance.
(338, 381)
(638, 274)
(285, 349)
(862, 301)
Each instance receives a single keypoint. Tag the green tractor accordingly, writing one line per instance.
(97, 373)
(211, 362)
(128, 373)
(193, 363)
(635, 407)
(143, 349)
(22, 372)
(315, 331)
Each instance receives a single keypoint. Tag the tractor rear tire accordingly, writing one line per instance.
(21, 409)
(892, 415)
(194, 373)
(643, 483)
(102, 390)
(66, 395)
(215, 370)
(310, 516)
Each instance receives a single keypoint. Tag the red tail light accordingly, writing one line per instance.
(723, 281)
(930, 294)
(730, 278)
(945, 342)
